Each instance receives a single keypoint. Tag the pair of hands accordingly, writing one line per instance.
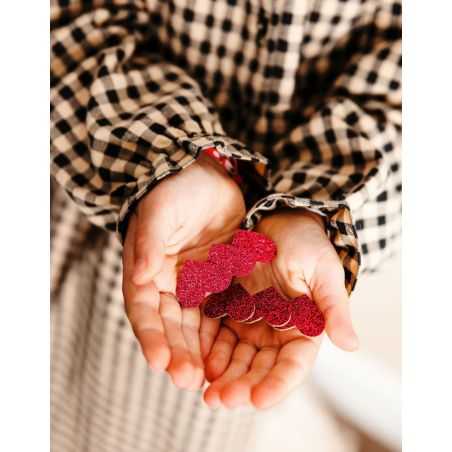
(246, 364)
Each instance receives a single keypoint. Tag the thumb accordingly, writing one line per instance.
(332, 299)
(149, 246)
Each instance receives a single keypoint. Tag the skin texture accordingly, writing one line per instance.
(178, 220)
(256, 365)
(246, 364)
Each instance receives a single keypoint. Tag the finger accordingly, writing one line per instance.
(221, 353)
(290, 283)
(332, 299)
(328, 291)
(292, 365)
(144, 317)
(318, 265)
(339, 327)
(207, 334)
(149, 249)
(166, 278)
(238, 392)
(180, 368)
(141, 305)
(241, 360)
(191, 320)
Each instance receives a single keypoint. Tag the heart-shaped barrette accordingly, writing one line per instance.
(196, 279)
(268, 305)
(213, 278)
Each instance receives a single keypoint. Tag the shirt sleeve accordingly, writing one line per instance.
(343, 161)
(122, 118)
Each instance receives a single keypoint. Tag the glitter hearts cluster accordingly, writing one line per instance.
(268, 305)
(198, 278)
(213, 277)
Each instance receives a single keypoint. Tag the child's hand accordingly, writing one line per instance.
(178, 220)
(255, 364)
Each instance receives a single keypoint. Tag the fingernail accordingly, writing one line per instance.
(213, 401)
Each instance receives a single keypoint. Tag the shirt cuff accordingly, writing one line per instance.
(339, 225)
(189, 150)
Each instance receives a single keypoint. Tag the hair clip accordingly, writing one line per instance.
(213, 277)
(268, 305)
(198, 278)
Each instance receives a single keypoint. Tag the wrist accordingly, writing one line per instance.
(288, 214)
(319, 219)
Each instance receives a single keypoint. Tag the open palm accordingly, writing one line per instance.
(256, 364)
(178, 220)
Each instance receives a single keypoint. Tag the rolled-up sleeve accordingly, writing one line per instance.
(122, 118)
(343, 162)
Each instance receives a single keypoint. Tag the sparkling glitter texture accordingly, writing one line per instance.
(266, 300)
(279, 316)
(258, 245)
(214, 277)
(215, 305)
(190, 288)
(307, 317)
(196, 279)
(224, 256)
(240, 305)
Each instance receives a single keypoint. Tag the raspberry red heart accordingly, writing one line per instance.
(240, 306)
(190, 289)
(307, 317)
(224, 256)
(278, 317)
(233, 260)
(215, 278)
(215, 306)
(277, 310)
(265, 300)
(258, 245)
(196, 279)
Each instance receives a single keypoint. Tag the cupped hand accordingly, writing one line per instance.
(178, 220)
(254, 364)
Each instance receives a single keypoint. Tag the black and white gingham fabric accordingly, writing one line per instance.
(139, 87)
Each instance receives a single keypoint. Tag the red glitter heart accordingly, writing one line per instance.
(307, 317)
(264, 301)
(215, 306)
(279, 317)
(215, 278)
(196, 279)
(240, 306)
(190, 288)
(280, 313)
(225, 256)
(258, 245)
(233, 261)
(244, 262)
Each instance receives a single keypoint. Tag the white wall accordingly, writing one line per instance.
(364, 387)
